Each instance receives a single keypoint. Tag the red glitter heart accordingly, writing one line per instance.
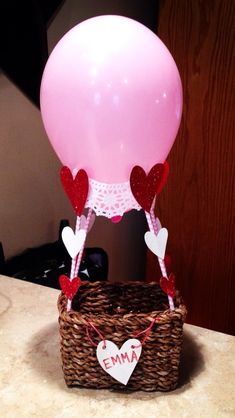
(76, 189)
(69, 287)
(168, 285)
(146, 187)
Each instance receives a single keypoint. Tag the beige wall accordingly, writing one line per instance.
(32, 201)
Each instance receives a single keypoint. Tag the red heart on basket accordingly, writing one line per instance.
(146, 187)
(168, 285)
(69, 287)
(76, 189)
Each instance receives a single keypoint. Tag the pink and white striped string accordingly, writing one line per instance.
(76, 261)
(79, 258)
(73, 263)
(154, 228)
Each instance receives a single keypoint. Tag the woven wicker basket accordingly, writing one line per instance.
(119, 311)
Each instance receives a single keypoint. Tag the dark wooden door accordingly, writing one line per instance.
(198, 203)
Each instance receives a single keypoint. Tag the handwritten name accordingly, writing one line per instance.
(120, 358)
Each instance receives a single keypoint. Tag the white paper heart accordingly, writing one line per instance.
(119, 364)
(157, 243)
(73, 242)
(83, 220)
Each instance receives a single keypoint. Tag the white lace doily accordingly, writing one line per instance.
(110, 200)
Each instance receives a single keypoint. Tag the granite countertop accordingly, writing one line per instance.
(32, 383)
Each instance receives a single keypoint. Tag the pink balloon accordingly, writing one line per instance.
(111, 98)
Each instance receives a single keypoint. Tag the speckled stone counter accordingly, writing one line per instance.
(32, 384)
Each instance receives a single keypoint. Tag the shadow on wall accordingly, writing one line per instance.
(32, 200)
(75, 11)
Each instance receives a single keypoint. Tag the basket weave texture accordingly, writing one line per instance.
(119, 311)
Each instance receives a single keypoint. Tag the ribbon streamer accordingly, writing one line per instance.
(153, 228)
(76, 261)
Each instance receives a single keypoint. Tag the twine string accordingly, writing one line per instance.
(92, 326)
(145, 331)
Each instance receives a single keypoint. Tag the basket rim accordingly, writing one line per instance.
(164, 316)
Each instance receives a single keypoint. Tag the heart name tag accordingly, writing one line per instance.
(119, 364)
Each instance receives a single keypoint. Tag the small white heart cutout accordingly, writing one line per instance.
(73, 242)
(157, 243)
